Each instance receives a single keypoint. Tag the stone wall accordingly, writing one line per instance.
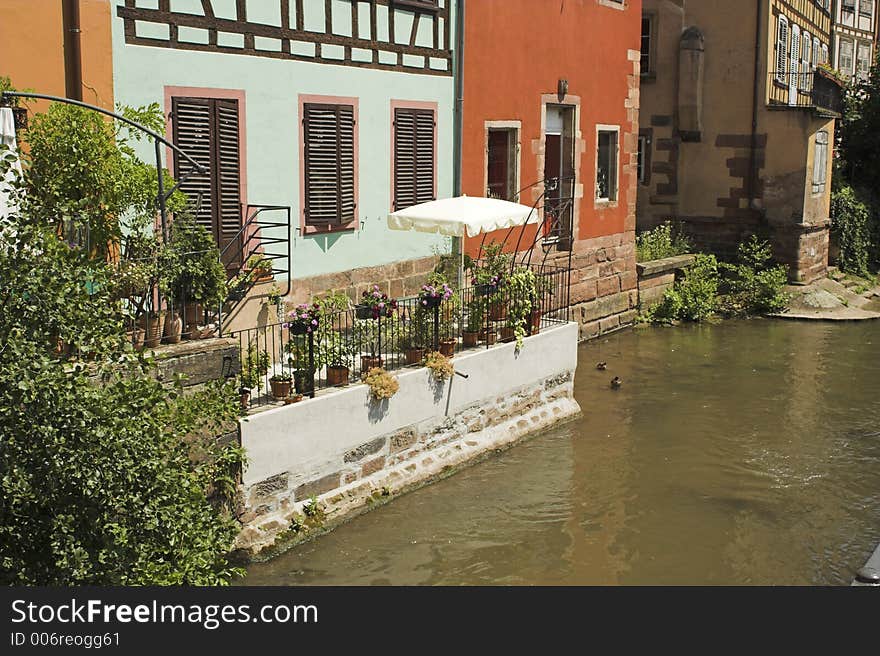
(397, 279)
(656, 276)
(345, 449)
(200, 360)
(604, 284)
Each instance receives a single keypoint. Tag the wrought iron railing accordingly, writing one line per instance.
(348, 343)
(806, 90)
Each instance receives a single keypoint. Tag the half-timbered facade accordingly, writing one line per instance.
(738, 110)
(338, 109)
(855, 26)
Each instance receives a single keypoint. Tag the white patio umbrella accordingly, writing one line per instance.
(462, 216)
(7, 138)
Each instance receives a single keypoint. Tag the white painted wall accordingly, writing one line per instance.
(307, 437)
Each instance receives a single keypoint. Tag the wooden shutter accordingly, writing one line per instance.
(228, 171)
(413, 157)
(329, 165)
(192, 134)
(781, 48)
(207, 130)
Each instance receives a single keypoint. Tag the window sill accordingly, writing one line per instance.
(605, 204)
(315, 231)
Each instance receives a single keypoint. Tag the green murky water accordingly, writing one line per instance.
(739, 453)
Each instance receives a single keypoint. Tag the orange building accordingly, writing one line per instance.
(32, 52)
(551, 97)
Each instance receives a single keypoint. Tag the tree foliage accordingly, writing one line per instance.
(106, 476)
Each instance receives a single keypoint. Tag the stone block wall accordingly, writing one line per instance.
(604, 284)
(657, 276)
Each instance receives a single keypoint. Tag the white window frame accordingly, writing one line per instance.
(600, 128)
(806, 64)
(781, 48)
(848, 70)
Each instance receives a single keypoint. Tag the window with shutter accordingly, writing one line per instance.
(820, 162)
(329, 168)
(781, 48)
(413, 156)
(207, 129)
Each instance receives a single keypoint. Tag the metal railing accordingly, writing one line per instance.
(348, 343)
(806, 90)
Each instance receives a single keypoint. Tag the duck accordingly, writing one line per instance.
(616, 382)
(602, 366)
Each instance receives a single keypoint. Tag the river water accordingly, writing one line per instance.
(746, 452)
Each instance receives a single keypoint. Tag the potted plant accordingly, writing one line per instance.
(253, 369)
(335, 352)
(260, 267)
(523, 291)
(476, 314)
(304, 319)
(281, 384)
(375, 304)
(365, 334)
(151, 322)
(298, 360)
(382, 384)
(275, 301)
(191, 274)
(439, 365)
(335, 349)
(449, 325)
(432, 295)
(414, 334)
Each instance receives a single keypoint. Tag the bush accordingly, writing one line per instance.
(663, 241)
(694, 297)
(754, 286)
(851, 225)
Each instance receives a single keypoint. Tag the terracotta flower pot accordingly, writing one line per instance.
(244, 398)
(173, 328)
(136, 337)
(193, 316)
(498, 311)
(447, 347)
(489, 336)
(294, 398)
(470, 338)
(370, 362)
(337, 375)
(280, 388)
(507, 334)
(536, 322)
(152, 325)
(413, 355)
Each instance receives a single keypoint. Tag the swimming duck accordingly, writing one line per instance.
(602, 366)
(616, 382)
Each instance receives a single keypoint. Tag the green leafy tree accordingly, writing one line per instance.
(106, 476)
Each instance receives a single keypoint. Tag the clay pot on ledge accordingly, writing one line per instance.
(280, 388)
(535, 322)
(413, 355)
(173, 328)
(370, 362)
(294, 398)
(337, 375)
(489, 336)
(507, 334)
(152, 325)
(470, 338)
(498, 311)
(447, 347)
(244, 395)
(193, 316)
(136, 337)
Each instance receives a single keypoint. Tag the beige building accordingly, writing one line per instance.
(737, 125)
(855, 23)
